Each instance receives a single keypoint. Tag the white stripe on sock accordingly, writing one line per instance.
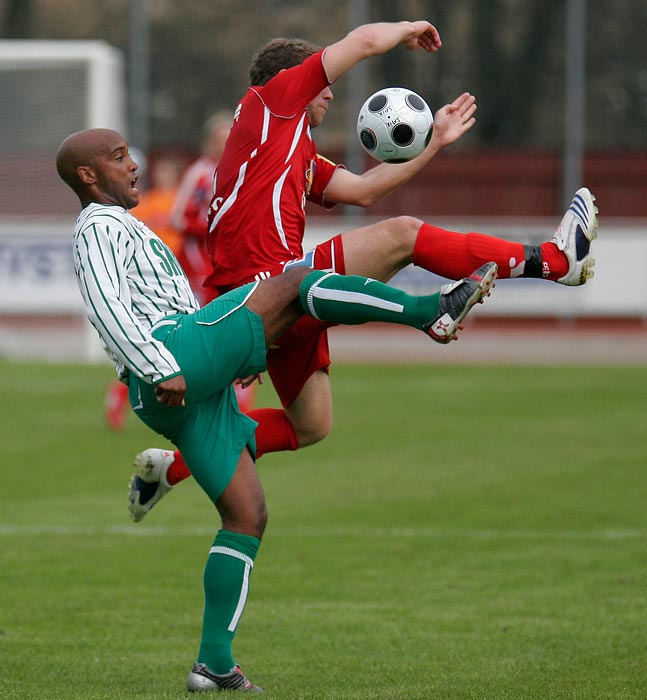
(356, 298)
(311, 308)
(232, 553)
(249, 564)
(241, 601)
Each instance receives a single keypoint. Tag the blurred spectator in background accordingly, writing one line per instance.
(192, 203)
(154, 209)
(190, 218)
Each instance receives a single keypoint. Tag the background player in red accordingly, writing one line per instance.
(189, 217)
(270, 167)
(194, 194)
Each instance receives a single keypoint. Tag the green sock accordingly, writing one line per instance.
(226, 583)
(350, 300)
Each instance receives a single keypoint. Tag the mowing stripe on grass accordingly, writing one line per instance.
(381, 533)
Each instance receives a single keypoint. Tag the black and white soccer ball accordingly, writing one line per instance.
(394, 125)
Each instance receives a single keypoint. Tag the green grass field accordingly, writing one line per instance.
(464, 533)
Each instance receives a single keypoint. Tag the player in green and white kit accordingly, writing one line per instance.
(179, 361)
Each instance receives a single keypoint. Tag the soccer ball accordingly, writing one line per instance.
(394, 125)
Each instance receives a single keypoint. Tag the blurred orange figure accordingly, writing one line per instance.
(155, 206)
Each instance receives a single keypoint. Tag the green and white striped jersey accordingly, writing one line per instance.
(129, 280)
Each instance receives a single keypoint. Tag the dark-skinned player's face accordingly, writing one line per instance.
(116, 173)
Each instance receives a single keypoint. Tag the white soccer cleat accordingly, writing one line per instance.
(148, 484)
(573, 236)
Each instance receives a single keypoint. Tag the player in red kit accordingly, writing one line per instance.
(194, 194)
(270, 168)
(269, 171)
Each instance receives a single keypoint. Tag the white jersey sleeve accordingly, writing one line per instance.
(129, 280)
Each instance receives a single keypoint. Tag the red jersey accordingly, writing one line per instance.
(194, 197)
(189, 216)
(269, 168)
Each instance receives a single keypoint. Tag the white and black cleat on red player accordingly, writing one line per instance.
(573, 237)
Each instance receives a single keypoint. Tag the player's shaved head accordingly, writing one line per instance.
(97, 165)
(82, 148)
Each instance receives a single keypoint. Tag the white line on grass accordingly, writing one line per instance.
(350, 532)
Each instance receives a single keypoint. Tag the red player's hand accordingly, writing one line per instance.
(424, 36)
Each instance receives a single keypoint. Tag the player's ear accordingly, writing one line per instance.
(86, 174)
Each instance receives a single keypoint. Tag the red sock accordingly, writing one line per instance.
(274, 433)
(178, 471)
(554, 261)
(456, 255)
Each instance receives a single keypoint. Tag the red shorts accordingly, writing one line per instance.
(303, 349)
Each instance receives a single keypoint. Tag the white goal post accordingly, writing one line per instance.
(48, 90)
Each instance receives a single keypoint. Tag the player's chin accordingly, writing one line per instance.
(130, 199)
(316, 117)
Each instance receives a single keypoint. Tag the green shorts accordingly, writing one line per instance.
(214, 346)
